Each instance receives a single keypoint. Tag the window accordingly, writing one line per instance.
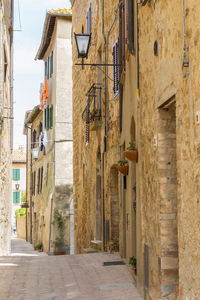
(41, 179)
(51, 117)
(45, 70)
(5, 65)
(34, 139)
(16, 174)
(16, 197)
(116, 68)
(89, 19)
(130, 26)
(48, 67)
(51, 64)
(122, 38)
(40, 128)
(33, 183)
(47, 117)
(38, 183)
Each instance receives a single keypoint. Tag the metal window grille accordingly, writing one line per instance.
(87, 127)
(93, 108)
(116, 67)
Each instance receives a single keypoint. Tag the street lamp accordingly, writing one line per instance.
(82, 44)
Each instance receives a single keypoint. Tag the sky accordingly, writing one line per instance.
(28, 73)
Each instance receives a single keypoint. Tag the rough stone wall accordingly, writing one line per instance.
(21, 227)
(5, 140)
(161, 79)
(87, 169)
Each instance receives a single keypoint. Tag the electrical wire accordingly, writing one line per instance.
(107, 76)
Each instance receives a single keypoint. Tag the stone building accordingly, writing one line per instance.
(50, 183)
(18, 181)
(6, 114)
(156, 206)
(168, 145)
(96, 128)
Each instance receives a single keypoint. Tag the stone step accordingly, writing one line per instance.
(90, 250)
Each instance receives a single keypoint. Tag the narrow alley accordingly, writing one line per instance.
(28, 275)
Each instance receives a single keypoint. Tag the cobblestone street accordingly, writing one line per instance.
(30, 275)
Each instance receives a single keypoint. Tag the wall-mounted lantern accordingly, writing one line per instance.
(82, 44)
(35, 153)
(17, 186)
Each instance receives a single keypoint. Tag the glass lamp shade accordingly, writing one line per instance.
(82, 44)
(35, 153)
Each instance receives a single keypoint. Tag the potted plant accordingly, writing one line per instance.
(123, 166)
(131, 152)
(95, 114)
(24, 203)
(59, 241)
(133, 263)
(39, 247)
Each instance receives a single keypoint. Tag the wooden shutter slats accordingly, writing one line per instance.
(116, 67)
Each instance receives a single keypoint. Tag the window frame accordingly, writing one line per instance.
(89, 19)
(116, 67)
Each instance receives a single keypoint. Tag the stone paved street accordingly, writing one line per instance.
(28, 275)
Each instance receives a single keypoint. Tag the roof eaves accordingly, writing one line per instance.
(32, 115)
(48, 31)
(44, 35)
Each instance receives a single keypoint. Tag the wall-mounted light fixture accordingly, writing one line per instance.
(35, 153)
(83, 42)
(17, 186)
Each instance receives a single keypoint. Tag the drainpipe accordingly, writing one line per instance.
(138, 57)
(185, 56)
(1, 68)
(31, 192)
(26, 184)
(51, 210)
(11, 74)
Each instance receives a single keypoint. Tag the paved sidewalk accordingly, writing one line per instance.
(28, 275)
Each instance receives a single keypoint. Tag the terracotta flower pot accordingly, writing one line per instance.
(131, 155)
(24, 205)
(123, 169)
(60, 252)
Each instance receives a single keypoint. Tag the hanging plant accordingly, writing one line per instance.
(123, 166)
(131, 152)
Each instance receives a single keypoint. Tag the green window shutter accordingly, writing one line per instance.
(48, 68)
(47, 116)
(51, 64)
(45, 68)
(16, 197)
(16, 174)
(51, 116)
(45, 119)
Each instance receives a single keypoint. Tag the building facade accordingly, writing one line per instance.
(154, 104)
(96, 128)
(6, 114)
(50, 137)
(18, 181)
